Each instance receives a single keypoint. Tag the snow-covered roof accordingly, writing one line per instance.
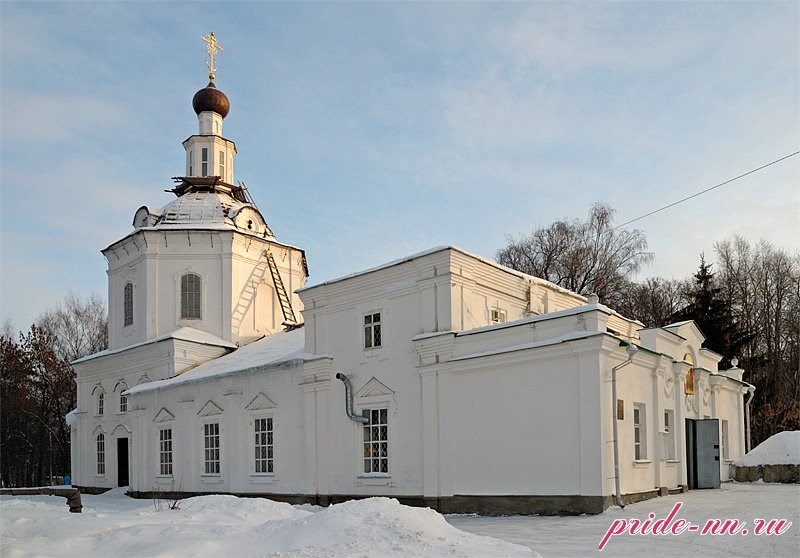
(537, 280)
(204, 208)
(571, 336)
(270, 351)
(184, 334)
(531, 319)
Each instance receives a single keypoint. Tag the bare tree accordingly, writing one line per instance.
(587, 257)
(80, 326)
(762, 286)
(653, 302)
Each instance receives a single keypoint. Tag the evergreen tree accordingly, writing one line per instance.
(709, 310)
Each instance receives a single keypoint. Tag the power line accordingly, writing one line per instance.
(706, 190)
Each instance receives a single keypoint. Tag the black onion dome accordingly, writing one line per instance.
(211, 99)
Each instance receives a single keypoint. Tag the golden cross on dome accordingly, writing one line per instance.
(213, 47)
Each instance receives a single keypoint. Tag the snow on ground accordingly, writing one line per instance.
(782, 448)
(570, 537)
(115, 525)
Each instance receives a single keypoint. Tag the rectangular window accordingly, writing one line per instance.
(263, 445)
(211, 447)
(376, 441)
(204, 161)
(669, 434)
(372, 330)
(222, 165)
(123, 403)
(724, 439)
(639, 432)
(191, 294)
(165, 451)
(101, 402)
(190, 165)
(101, 454)
(498, 315)
(128, 305)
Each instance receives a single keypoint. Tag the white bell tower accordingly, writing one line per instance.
(208, 153)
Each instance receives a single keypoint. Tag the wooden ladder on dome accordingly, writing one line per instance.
(289, 319)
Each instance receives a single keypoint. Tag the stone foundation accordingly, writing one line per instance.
(768, 473)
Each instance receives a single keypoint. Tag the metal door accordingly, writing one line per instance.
(702, 453)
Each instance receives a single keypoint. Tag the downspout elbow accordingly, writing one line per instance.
(348, 400)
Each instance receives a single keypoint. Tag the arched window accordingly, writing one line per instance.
(123, 399)
(191, 290)
(101, 399)
(128, 304)
(101, 454)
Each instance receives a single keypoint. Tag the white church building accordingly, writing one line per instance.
(442, 379)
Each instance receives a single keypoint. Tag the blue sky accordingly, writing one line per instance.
(370, 131)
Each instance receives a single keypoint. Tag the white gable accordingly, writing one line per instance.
(163, 416)
(209, 409)
(260, 402)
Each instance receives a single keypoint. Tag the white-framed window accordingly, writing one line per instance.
(101, 402)
(211, 456)
(101, 454)
(498, 315)
(204, 161)
(191, 295)
(723, 440)
(372, 330)
(639, 432)
(376, 441)
(221, 170)
(165, 452)
(263, 446)
(127, 297)
(669, 434)
(122, 399)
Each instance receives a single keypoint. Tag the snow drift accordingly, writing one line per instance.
(776, 459)
(114, 525)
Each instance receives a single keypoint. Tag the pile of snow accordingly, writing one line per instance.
(782, 448)
(114, 525)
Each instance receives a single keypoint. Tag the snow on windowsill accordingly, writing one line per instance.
(641, 463)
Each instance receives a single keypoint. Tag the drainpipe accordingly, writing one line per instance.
(631, 350)
(348, 400)
(751, 390)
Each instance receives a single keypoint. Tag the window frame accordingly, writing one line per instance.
(497, 315)
(639, 432)
(206, 461)
(127, 304)
(204, 161)
(370, 326)
(724, 445)
(669, 435)
(122, 400)
(101, 397)
(191, 295)
(381, 462)
(166, 455)
(100, 454)
(268, 459)
(221, 164)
